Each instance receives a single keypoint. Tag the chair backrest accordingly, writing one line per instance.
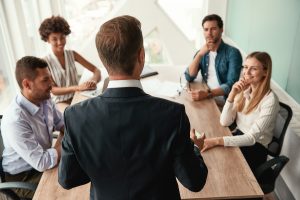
(267, 173)
(2, 178)
(6, 191)
(282, 121)
(1, 141)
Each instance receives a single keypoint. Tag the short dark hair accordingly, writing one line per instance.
(54, 24)
(26, 68)
(213, 17)
(118, 43)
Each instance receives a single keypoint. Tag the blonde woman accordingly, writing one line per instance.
(254, 107)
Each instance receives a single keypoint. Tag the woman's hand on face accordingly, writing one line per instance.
(237, 87)
(240, 86)
(204, 49)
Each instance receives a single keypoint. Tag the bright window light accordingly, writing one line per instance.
(85, 16)
(187, 15)
(155, 51)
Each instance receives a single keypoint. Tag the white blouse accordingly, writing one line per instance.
(257, 126)
(63, 77)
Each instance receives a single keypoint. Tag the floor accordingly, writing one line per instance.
(270, 196)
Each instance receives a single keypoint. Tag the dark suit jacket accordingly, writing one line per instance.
(130, 145)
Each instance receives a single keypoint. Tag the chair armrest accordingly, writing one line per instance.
(278, 162)
(18, 185)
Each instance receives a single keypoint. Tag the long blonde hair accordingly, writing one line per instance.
(263, 88)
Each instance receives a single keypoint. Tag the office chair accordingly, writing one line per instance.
(6, 191)
(267, 173)
(283, 119)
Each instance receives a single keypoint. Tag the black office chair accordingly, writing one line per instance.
(283, 119)
(6, 191)
(267, 173)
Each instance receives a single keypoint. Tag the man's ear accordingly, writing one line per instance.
(26, 83)
(141, 56)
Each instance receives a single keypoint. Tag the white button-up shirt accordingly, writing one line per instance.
(124, 83)
(27, 135)
(257, 126)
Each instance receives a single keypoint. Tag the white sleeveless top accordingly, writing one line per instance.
(63, 77)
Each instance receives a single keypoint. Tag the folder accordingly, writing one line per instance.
(148, 71)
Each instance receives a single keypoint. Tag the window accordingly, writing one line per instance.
(84, 17)
(187, 15)
(7, 87)
(155, 51)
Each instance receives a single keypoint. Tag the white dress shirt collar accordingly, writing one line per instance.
(28, 105)
(124, 83)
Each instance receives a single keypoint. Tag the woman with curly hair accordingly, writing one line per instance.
(61, 62)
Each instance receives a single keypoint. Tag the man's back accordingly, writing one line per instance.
(130, 145)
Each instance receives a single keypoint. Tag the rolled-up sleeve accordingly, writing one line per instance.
(188, 77)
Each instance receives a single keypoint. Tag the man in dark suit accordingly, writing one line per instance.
(129, 144)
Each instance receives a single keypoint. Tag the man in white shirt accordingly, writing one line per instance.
(27, 126)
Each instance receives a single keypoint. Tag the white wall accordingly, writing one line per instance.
(180, 49)
(291, 172)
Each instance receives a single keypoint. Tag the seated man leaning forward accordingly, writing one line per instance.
(220, 64)
(128, 144)
(27, 126)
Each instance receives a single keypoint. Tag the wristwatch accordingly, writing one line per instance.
(209, 94)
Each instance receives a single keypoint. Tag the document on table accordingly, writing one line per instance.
(91, 93)
(169, 89)
(161, 88)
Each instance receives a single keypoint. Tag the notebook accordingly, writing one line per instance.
(96, 92)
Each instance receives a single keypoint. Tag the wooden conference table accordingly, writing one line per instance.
(229, 176)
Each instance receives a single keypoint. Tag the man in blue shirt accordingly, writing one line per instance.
(27, 126)
(220, 64)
